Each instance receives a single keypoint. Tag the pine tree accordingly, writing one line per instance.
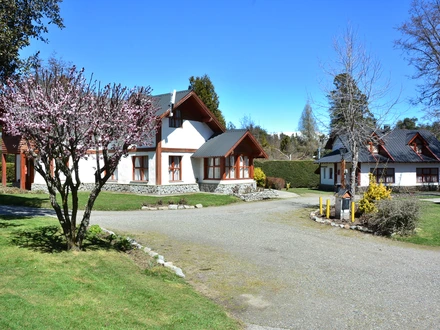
(205, 89)
(348, 106)
(308, 128)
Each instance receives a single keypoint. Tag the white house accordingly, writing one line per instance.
(399, 158)
(192, 152)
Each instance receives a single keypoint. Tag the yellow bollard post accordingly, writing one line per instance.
(328, 209)
(320, 205)
(353, 211)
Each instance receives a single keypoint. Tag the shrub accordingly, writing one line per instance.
(275, 183)
(10, 172)
(300, 173)
(122, 244)
(398, 216)
(259, 177)
(374, 193)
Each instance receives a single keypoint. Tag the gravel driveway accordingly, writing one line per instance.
(272, 269)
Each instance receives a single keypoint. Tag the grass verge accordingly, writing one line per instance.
(428, 228)
(43, 287)
(307, 192)
(108, 201)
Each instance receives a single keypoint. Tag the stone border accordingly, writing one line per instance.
(172, 207)
(159, 258)
(334, 224)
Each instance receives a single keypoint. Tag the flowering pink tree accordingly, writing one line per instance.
(63, 119)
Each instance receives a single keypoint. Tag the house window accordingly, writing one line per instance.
(176, 119)
(230, 167)
(384, 175)
(175, 168)
(140, 168)
(373, 148)
(330, 173)
(214, 168)
(417, 146)
(427, 175)
(324, 172)
(243, 167)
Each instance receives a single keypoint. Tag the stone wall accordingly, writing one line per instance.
(258, 195)
(134, 188)
(228, 189)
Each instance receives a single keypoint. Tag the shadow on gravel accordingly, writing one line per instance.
(22, 211)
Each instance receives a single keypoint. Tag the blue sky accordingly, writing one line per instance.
(263, 56)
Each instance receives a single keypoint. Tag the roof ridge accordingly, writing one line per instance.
(184, 90)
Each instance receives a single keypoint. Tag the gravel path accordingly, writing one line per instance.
(308, 276)
(274, 270)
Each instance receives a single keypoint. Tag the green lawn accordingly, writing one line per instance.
(43, 287)
(306, 192)
(108, 201)
(428, 228)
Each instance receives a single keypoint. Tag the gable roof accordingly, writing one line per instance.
(396, 144)
(191, 106)
(163, 101)
(225, 144)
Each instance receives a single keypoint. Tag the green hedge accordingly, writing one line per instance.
(300, 173)
(10, 172)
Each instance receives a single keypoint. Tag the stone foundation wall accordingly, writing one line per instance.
(136, 188)
(258, 195)
(228, 189)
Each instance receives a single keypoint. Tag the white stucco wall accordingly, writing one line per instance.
(125, 168)
(197, 165)
(187, 174)
(336, 174)
(404, 174)
(325, 174)
(191, 135)
(124, 173)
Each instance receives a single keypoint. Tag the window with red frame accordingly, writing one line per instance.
(140, 168)
(175, 168)
(230, 167)
(243, 167)
(427, 175)
(384, 175)
(213, 168)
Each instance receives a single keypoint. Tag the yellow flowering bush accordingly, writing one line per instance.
(375, 192)
(259, 177)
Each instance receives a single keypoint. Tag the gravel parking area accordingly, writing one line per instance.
(275, 270)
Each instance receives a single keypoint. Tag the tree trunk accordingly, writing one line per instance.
(86, 217)
(354, 164)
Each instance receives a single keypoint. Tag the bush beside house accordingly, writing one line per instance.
(259, 177)
(10, 172)
(300, 174)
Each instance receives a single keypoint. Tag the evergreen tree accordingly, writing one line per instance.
(21, 20)
(348, 106)
(407, 123)
(204, 89)
(308, 128)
